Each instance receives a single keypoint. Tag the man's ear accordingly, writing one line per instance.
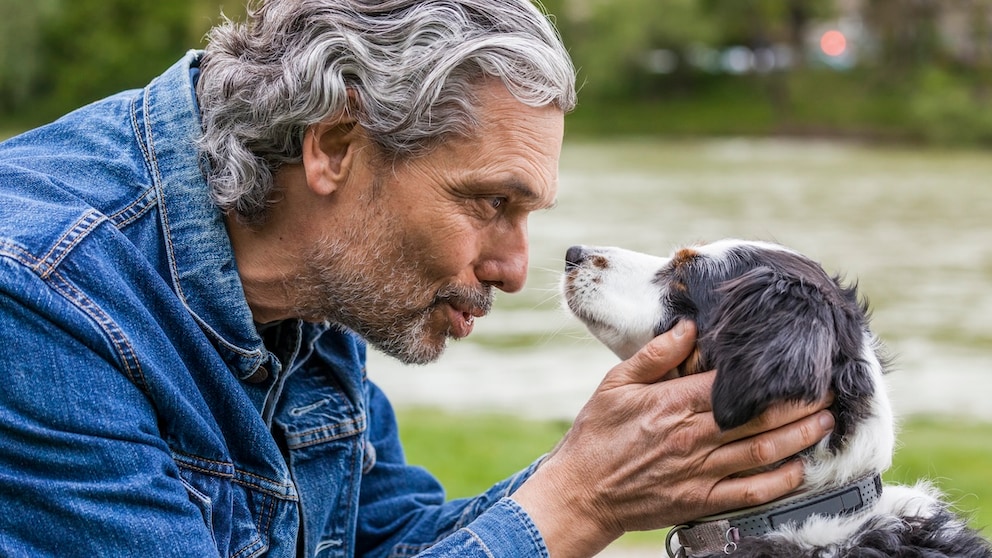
(328, 153)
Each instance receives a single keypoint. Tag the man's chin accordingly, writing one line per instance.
(421, 352)
(411, 339)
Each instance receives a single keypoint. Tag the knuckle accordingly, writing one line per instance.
(656, 350)
(754, 494)
(810, 435)
(676, 431)
(762, 451)
(682, 443)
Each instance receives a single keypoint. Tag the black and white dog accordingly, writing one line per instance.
(776, 327)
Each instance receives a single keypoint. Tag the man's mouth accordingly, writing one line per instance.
(463, 306)
(462, 320)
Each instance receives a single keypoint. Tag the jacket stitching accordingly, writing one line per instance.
(59, 284)
(19, 254)
(127, 354)
(83, 226)
(255, 546)
(478, 540)
(226, 470)
(74, 296)
(136, 127)
(135, 209)
(313, 436)
(170, 245)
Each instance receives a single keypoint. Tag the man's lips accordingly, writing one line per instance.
(462, 319)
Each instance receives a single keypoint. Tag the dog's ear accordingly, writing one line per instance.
(773, 339)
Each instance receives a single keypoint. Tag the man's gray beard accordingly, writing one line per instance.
(367, 295)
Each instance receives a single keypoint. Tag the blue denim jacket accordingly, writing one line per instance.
(143, 413)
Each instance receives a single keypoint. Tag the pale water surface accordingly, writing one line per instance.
(914, 228)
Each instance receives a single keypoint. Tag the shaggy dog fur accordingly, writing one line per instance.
(776, 327)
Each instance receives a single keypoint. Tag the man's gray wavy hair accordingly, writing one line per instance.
(405, 69)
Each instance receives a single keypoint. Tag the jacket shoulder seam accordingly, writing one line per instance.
(50, 277)
(69, 240)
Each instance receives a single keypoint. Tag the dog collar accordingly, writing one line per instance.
(721, 533)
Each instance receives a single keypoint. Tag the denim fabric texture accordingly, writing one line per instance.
(143, 413)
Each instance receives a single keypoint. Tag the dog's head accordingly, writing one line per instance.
(772, 322)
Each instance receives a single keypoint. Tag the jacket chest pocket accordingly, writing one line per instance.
(241, 518)
(325, 437)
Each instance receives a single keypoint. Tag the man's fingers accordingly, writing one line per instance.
(779, 415)
(773, 446)
(757, 489)
(658, 357)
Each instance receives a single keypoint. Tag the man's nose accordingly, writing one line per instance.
(506, 268)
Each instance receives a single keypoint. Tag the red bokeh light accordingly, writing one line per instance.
(833, 43)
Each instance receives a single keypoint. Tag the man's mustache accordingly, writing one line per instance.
(467, 298)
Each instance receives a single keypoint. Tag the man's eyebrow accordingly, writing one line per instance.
(525, 192)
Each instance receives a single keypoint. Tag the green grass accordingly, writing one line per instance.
(470, 452)
(955, 455)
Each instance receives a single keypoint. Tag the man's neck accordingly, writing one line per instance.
(264, 269)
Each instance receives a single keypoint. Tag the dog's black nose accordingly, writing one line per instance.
(574, 256)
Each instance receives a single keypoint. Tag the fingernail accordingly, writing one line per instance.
(679, 329)
(826, 420)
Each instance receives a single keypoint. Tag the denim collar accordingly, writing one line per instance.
(201, 259)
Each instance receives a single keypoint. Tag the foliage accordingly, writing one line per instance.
(114, 55)
(56, 55)
(762, 22)
(610, 40)
(472, 452)
(954, 455)
(20, 44)
(951, 109)
(639, 63)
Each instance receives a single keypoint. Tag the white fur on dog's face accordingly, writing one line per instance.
(618, 293)
(614, 292)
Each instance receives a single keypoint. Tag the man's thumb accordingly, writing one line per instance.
(660, 356)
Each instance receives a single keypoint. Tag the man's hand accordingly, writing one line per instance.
(645, 454)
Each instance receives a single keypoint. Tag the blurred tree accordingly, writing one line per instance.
(610, 40)
(941, 54)
(929, 76)
(762, 23)
(56, 55)
(20, 43)
(92, 48)
(980, 56)
(763, 26)
(907, 35)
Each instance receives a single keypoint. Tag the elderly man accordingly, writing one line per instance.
(189, 272)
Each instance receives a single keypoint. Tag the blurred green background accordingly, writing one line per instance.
(891, 70)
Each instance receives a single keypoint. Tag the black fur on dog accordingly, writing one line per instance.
(777, 327)
(939, 536)
(808, 341)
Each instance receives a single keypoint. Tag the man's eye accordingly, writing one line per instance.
(497, 202)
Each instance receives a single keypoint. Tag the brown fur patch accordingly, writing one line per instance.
(692, 365)
(683, 257)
